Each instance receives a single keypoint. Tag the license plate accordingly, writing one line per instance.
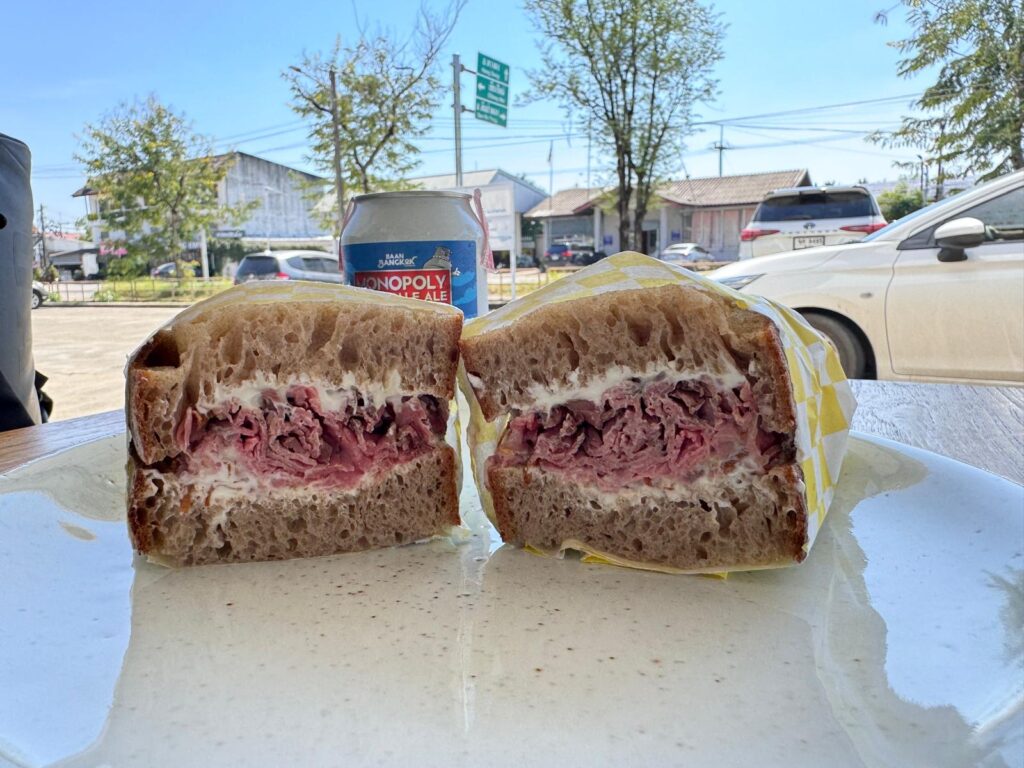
(808, 241)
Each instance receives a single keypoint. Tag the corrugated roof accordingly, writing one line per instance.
(447, 180)
(86, 190)
(746, 189)
(566, 203)
(470, 179)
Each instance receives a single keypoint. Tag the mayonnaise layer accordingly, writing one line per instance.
(544, 397)
(333, 397)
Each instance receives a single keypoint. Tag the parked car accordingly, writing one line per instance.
(289, 265)
(586, 257)
(937, 295)
(807, 217)
(558, 255)
(528, 262)
(170, 269)
(685, 253)
(39, 294)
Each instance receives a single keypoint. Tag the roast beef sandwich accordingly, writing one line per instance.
(649, 421)
(289, 420)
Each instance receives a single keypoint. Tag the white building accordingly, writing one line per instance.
(505, 198)
(284, 216)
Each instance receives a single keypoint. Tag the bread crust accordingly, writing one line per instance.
(568, 343)
(743, 524)
(184, 524)
(327, 336)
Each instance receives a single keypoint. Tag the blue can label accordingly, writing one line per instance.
(443, 271)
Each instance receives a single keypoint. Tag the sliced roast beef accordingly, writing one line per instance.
(293, 440)
(644, 431)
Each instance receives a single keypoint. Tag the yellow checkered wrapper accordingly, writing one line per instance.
(823, 398)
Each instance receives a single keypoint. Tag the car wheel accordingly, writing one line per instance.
(37, 299)
(852, 355)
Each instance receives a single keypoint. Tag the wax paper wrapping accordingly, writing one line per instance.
(823, 398)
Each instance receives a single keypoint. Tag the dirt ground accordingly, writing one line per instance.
(83, 351)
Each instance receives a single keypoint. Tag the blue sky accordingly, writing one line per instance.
(220, 62)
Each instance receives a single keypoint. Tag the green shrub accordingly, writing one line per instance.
(127, 266)
(105, 294)
(48, 275)
(899, 201)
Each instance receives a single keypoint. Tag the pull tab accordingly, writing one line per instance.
(487, 257)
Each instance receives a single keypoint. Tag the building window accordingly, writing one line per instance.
(686, 226)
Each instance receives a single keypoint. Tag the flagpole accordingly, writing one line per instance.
(551, 192)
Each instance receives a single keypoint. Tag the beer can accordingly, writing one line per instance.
(421, 244)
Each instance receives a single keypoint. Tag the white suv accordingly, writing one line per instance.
(935, 296)
(806, 217)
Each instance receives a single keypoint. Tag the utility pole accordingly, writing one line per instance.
(457, 105)
(339, 185)
(204, 253)
(720, 146)
(940, 177)
(589, 124)
(551, 193)
(42, 239)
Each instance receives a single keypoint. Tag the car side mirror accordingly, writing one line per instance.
(955, 236)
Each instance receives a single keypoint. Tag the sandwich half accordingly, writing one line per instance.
(653, 426)
(292, 420)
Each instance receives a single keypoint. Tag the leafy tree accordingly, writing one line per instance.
(636, 69)
(531, 227)
(387, 89)
(156, 180)
(974, 111)
(899, 201)
(127, 266)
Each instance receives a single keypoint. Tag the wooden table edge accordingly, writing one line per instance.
(21, 446)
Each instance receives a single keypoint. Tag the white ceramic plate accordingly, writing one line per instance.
(899, 642)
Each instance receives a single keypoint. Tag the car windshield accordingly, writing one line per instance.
(257, 265)
(882, 233)
(819, 205)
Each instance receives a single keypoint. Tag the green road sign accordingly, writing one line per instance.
(491, 68)
(491, 90)
(492, 113)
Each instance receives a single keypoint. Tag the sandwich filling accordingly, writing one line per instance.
(287, 437)
(651, 431)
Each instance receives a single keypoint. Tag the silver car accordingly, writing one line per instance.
(289, 265)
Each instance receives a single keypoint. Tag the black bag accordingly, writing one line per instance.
(19, 402)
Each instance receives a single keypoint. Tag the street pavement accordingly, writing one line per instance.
(83, 351)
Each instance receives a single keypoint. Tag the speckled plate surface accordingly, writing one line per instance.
(900, 642)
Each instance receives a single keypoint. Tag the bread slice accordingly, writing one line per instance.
(331, 334)
(714, 511)
(758, 524)
(179, 523)
(291, 420)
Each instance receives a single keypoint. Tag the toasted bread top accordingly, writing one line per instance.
(286, 332)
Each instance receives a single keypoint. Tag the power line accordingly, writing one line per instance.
(803, 110)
